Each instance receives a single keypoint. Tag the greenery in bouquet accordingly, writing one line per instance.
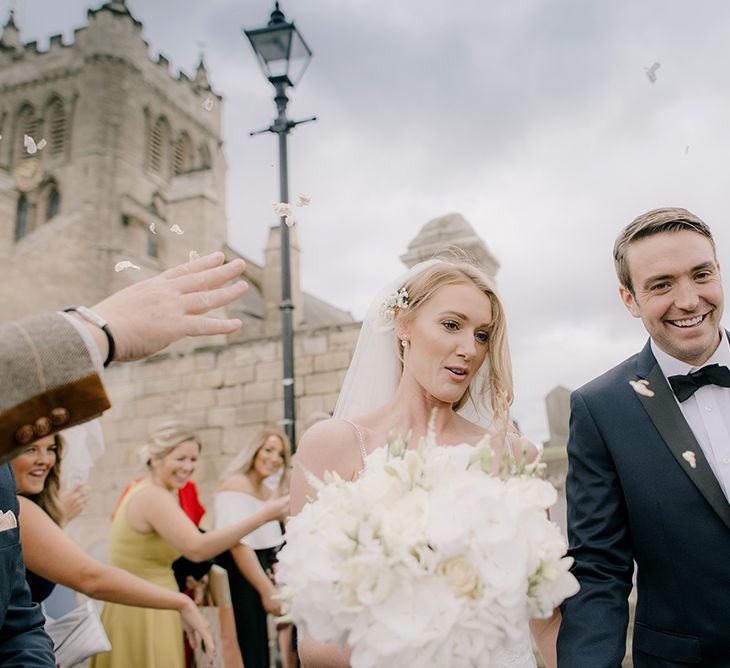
(427, 558)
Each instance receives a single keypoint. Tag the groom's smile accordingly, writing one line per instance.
(677, 293)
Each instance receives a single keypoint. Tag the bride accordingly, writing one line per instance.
(434, 339)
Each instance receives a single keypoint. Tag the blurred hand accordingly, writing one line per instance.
(278, 509)
(271, 605)
(195, 626)
(74, 500)
(196, 588)
(147, 316)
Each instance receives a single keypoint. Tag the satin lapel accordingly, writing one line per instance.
(669, 421)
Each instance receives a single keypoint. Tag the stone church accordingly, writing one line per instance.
(103, 151)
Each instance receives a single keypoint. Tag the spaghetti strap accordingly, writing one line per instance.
(361, 442)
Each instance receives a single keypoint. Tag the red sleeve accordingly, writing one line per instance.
(188, 496)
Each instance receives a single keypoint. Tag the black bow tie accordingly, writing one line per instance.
(686, 385)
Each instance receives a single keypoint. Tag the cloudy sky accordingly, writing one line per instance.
(535, 119)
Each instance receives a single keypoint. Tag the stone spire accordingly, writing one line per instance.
(201, 75)
(11, 35)
(117, 6)
(449, 231)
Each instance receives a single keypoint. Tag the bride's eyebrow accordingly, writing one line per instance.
(460, 316)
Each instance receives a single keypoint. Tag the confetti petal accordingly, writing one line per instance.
(193, 255)
(176, 229)
(642, 387)
(152, 228)
(282, 208)
(125, 264)
(208, 104)
(651, 72)
(690, 458)
(303, 200)
(42, 144)
(29, 144)
(289, 220)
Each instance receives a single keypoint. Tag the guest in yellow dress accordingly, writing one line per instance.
(148, 533)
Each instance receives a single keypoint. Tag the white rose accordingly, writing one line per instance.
(402, 527)
(461, 576)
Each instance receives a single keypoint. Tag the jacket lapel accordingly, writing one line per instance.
(677, 435)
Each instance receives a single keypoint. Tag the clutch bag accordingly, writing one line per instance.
(78, 635)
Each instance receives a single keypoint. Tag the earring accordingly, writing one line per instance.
(404, 343)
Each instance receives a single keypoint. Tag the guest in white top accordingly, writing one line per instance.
(242, 491)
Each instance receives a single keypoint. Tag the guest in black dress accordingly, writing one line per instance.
(258, 474)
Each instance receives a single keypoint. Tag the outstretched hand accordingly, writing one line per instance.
(194, 625)
(74, 500)
(147, 316)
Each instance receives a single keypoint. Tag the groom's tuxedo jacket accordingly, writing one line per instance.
(632, 496)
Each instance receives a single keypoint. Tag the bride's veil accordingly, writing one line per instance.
(375, 369)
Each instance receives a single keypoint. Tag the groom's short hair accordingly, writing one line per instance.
(656, 221)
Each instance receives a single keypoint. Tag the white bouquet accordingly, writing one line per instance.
(427, 559)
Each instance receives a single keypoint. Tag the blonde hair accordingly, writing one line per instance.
(243, 461)
(163, 440)
(423, 286)
(49, 498)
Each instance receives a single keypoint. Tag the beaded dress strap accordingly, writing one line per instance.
(361, 442)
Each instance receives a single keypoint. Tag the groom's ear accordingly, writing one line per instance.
(629, 301)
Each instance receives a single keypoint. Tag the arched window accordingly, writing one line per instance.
(204, 157)
(53, 204)
(153, 246)
(159, 148)
(21, 218)
(27, 125)
(183, 154)
(56, 127)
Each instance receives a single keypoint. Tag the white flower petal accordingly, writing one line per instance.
(642, 387)
(176, 229)
(125, 264)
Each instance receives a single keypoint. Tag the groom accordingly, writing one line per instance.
(649, 465)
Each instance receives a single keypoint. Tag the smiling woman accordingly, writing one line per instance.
(248, 484)
(150, 531)
(37, 471)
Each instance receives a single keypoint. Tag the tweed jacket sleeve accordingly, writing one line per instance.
(48, 381)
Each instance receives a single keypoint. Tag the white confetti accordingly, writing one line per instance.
(30, 145)
(289, 220)
(125, 264)
(152, 228)
(303, 200)
(193, 255)
(282, 208)
(208, 104)
(42, 144)
(176, 229)
(690, 458)
(651, 72)
(642, 387)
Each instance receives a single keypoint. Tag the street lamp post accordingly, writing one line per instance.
(283, 55)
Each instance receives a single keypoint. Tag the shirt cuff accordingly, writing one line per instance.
(88, 340)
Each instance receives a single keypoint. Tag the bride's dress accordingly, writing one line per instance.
(517, 657)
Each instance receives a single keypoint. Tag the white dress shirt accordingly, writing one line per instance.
(707, 411)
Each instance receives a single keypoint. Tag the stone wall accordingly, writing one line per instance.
(227, 391)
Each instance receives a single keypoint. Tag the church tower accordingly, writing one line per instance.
(100, 146)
